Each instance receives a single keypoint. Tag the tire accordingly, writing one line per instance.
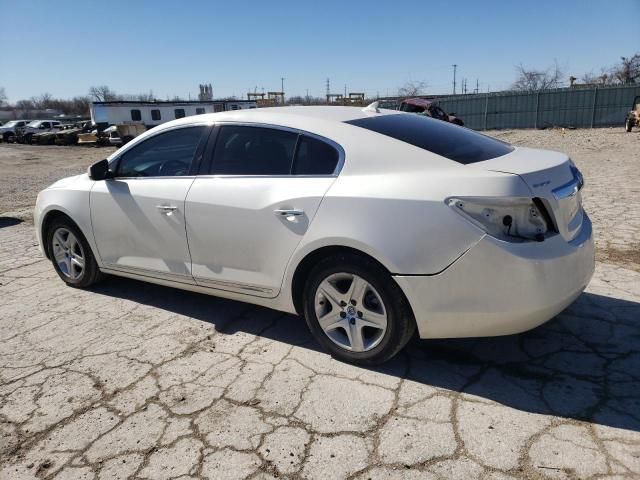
(66, 243)
(628, 125)
(9, 137)
(343, 335)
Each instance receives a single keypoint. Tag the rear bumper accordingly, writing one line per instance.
(500, 288)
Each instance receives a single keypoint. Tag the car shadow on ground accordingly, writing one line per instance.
(584, 364)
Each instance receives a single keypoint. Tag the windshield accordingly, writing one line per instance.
(12, 123)
(34, 124)
(442, 138)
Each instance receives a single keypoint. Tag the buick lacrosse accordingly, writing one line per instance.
(370, 223)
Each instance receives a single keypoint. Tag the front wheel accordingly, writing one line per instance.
(71, 254)
(356, 311)
(628, 125)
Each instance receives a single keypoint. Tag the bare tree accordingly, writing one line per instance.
(3, 96)
(627, 71)
(412, 88)
(532, 80)
(145, 97)
(102, 93)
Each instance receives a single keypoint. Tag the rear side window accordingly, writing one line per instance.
(442, 138)
(155, 115)
(136, 116)
(315, 157)
(244, 150)
(166, 154)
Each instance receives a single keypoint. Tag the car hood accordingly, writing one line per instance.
(66, 182)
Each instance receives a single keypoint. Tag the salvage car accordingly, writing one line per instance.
(428, 108)
(11, 130)
(37, 126)
(633, 117)
(370, 223)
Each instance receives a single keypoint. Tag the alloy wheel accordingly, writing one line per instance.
(350, 312)
(68, 253)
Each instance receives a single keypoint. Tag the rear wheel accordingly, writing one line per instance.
(71, 255)
(356, 310)
(628, 124)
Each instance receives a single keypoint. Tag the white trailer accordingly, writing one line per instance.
(104, 114)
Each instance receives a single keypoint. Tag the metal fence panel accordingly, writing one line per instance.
(580, 107)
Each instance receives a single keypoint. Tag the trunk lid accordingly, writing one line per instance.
(552, 178)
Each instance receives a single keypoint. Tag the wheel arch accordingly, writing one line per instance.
(47, 220)
(303, 268)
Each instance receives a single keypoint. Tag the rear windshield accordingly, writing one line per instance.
(450, 141)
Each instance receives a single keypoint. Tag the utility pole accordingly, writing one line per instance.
(345, 90)
(455, 66)
(282, 88)
(477, 86)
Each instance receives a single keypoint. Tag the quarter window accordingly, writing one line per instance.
(136, 116)
(244, 150)
(165, 154)
(315, 157)
(155, 115)
(179, 112)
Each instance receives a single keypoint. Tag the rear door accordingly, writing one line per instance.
(138, 217)
(247, 214)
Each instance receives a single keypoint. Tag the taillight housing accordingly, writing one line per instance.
(511, 219)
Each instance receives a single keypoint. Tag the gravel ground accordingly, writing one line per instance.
(27, 169)
(132, 380)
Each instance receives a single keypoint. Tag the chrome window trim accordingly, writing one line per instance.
(297, 131)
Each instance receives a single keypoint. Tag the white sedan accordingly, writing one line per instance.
(371, 223)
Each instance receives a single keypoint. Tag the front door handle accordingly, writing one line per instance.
(288, 212)
(168, 209)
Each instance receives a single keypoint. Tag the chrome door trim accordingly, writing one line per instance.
(236, 287)
(149, 272)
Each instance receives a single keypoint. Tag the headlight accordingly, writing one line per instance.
(509, 219)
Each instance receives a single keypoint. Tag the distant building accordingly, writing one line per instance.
(206, 93)
(104, 114)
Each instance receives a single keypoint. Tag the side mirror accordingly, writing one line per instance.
(100, 170)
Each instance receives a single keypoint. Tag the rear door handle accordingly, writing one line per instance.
(288, 213)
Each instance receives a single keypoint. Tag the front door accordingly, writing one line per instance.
(246, 218)
(138, 217)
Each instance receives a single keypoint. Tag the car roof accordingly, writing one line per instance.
(295, 116)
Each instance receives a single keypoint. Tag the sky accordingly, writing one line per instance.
(169, 47)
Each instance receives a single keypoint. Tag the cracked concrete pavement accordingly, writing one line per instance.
(132, 380)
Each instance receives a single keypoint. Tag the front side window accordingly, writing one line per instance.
(166, 154)
(155, 115)
(199, 111)
(179, 113)
(136, 116)
(445, 139)
(244, 150)
(315, 157)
